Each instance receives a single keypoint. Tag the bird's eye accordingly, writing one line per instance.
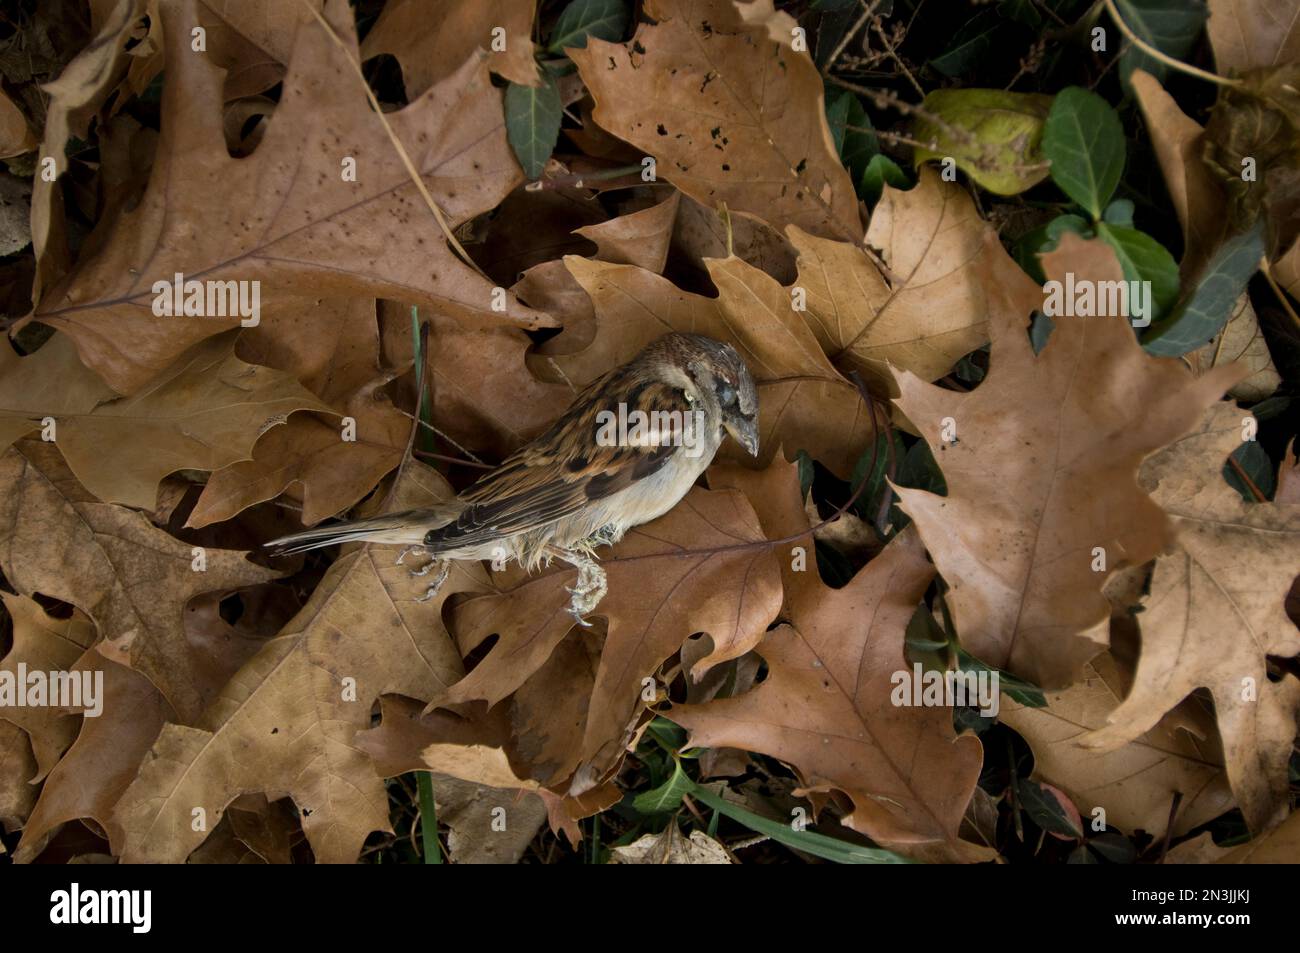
(726, 395)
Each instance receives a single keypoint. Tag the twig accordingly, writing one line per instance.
(868, 11)
(397, 144)
(1281, 295)
(1255, 491)
(1169, 828)
(1168, 60)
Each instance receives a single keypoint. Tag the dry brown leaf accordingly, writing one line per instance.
(933, 307)
(700, 233)
(284, 725)
(203, 412)
(825, 706)
(130, 577)
(1216, 608)
(804, 403)
(1043, 473)
(17, 765)
(1135, 784)
(300, 227)
(1179, 143)
(729, 115)
(638, 238)
(1279, 846)
(431, 38)
(671, 846)
(15, 136)
(1241, 341)
(1252, 34)
(74, 97)
(43, 643)
(702, 567)
(103, 760)
(332, 347)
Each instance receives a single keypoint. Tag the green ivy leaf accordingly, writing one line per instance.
(1207, 305)
(971, 43)
(854, 146)
(1084, 140)
(1005, 129)
(603, 19)
(879, 171)
(1171, 26)
(1144, 259)
(533, 123)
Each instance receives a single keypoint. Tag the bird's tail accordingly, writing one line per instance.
(399, 529)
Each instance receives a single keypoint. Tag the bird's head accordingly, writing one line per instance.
(720, 376)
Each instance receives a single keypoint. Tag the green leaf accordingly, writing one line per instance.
(1171, 26)
(1017, 689)
(1045, 810)
(972, 43)
(666, 798)
(810, 842)
(879, 171)
(533, 123)
(918, 471)
(603, 19)
(1144, 259)
(1084, 140)
(1043, 239)
(1257, 465)
(1039, 331)
(1119, 212)
(1000, 148)
(854, 146)
(1206, 307)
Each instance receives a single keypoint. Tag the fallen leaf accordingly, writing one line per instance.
(728, 114)
(825, 706)
(1252, 34)
(671, 846)
(639, 238)
(1241, 341)
(431, 38)
(1134, 784)
(1042, 476)
(947, 271)
(332, 347)
(128, 576)
(284, 725)
(307, 227)
(1216, 608)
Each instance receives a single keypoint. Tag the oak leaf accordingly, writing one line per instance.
(1041, 463)
(1217, 607)
(302, 225)
(132, 579)
(284, 724)
(825, 706)
(728, 114)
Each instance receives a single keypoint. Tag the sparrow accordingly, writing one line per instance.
(625, 452)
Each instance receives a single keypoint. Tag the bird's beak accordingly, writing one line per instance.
(745, 433)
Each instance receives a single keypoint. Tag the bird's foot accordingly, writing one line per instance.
(408, 550)
(590, 589)
(443, 571)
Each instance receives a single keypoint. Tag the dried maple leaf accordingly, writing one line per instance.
(43, 643)
(332, 347)
(638, 238)
(825, 706)
(1135, 783)
(702, 567)
(205, 411)
(804, 402)
(17, 765)
(284, 725)
(1041, 463)
(431, 38)
(729, 115)
(130, 577)
(297, 223)
(1253, 34)
(1216, 609)
(933, 305)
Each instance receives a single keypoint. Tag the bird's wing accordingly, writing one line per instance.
(565, 468)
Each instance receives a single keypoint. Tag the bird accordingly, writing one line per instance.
(628, 448)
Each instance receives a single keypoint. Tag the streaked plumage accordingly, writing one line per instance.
(566, 493)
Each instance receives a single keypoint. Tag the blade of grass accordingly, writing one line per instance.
(428, 819)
